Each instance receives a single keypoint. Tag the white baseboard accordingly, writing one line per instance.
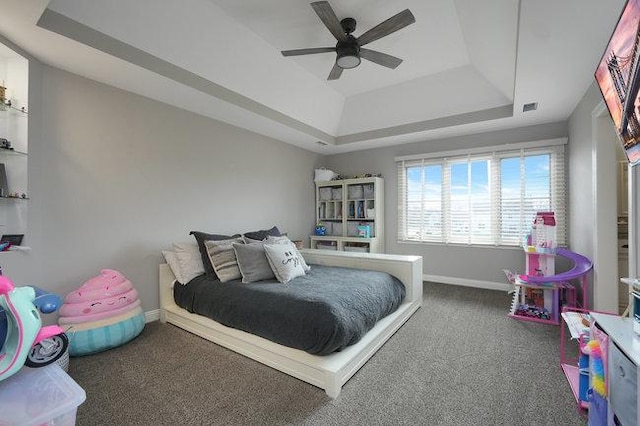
(489, 285)
(151, 316)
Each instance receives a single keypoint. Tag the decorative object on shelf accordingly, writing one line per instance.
(13, 239)
(366, 175)
(15, 194)
(2, 93)
(102, 314)
(364, 231)
(322, 175)
(321, 229)
(5, 144)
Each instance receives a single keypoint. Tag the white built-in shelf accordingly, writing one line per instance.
(12, 152)
(15, 198)
(11, 108)
(17, 248)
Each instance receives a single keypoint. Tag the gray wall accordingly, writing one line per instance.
(592, 164)
(468, 263)
(115, 178)
(581, 214)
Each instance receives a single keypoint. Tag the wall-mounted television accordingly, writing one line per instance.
(618, 75)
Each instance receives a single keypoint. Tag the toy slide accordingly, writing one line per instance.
(581, 266)
(538, 297)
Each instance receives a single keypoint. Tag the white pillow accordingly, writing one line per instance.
(189, 259)
(284, 260)
(284, 239)
(174, 265)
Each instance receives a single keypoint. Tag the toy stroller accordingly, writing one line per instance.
(24, 340)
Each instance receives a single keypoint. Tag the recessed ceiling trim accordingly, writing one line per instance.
(426, 125)
(74, 30)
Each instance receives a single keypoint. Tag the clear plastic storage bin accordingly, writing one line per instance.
(40, 396)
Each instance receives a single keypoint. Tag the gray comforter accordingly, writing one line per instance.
(322, 312)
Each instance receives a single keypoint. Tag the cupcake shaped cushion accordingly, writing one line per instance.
(105, 311)
(97, 336)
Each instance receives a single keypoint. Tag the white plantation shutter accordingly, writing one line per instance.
(483, 197)
(559, 194)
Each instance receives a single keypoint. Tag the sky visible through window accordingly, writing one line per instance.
(524, 185)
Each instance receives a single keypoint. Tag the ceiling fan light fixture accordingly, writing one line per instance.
(348, 61)
(348, 56)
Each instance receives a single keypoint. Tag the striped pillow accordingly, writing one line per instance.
(223, 258)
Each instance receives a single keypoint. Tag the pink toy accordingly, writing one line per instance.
(108, 283)
(99, 304)
(79, 319)
(104, 296)
(103, 313)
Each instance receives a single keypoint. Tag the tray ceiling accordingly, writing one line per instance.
(467, 66)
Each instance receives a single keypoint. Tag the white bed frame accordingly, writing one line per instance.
(329, 372)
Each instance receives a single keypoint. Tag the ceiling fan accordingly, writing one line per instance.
(349, 49)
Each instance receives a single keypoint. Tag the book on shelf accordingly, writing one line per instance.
(578, 323)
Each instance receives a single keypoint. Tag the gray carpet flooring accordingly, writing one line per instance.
(458, 361)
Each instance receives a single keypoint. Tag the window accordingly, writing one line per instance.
(489, 196)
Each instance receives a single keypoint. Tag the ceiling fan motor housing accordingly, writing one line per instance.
(348, 25)
(348, 53)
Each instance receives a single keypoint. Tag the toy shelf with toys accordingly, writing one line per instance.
(540, 293)
(578, 323)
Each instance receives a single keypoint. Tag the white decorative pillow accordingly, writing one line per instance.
(189, 260)
(284, 239)
(284, 260)
(223, 258)
(172, 260)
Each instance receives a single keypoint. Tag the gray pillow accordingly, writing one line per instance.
(262, 233)
(252, 262)
(223, 258)
(201, 237)
(284, 261)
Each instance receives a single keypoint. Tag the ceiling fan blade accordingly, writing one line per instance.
(380, 58)
(391, 25)
(335, 73)
(329, 19)
(310, 51)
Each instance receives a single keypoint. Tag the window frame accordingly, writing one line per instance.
(557, 180)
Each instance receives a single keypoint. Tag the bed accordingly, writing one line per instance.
(328, 372)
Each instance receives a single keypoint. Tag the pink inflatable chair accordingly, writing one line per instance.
(103, 313)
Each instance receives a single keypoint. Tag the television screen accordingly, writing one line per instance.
(618, 75)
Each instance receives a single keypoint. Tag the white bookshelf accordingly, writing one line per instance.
(347, 208)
